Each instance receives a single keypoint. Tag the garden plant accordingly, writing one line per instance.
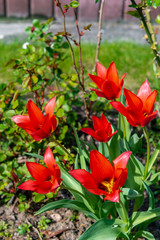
(55, 119)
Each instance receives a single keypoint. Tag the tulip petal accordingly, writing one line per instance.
(132, 100)
(112, 74)
(121, 162)
(144, 91)
(38, 172)
(97, 124)
(24, 122)
(113, 197)
(44, 187)
(49, 160)
(121, 179)
(120, 108)
(122, 80)
(87, 180)
(99, 93)
(89, 131)
(105, 122)
(149, 104)
(97, 80)
(149, 118)
(101, 71)
(100, 167)
(111, 90)
(39, 135)
(135, 116)
(28, 185)
(53, 121)
(102, 136)
(49, 108)
(35, 114)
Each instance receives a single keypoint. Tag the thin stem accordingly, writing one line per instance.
(125, 215)
(147, 30)
(99, 33)
(81, 65)
(65, 35)
(65, 150)
(109, 149)
(148, 152)
(124, 130)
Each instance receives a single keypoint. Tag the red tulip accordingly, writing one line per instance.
(107, 81)
(139, 109)
(103, 129)
(104, 178)
(36, 124)
(46, 179)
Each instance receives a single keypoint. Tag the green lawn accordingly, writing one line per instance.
(134, 59)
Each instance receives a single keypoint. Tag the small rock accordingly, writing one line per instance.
(56, 217)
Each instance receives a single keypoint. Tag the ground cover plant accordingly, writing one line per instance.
(104, 174)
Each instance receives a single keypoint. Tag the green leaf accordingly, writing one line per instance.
(3, 127)
(141, 217)
(65, 203)
(151, 197)
(36, 23)
(82, 159)
(133, 13)
(147, 235)
(60, 112)
(34, 155)
(96, 1)
(155, 178)
(103, 229)
(74, 4)
(38, 197)
(130, 193)
(89, 200)
(153, 159)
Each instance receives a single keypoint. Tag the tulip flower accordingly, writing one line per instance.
(103, 129)
(139, 109)
(36, 124)
(46, 179)
(104, 178)
(107, 81)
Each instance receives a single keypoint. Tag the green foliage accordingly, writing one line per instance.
(43, 223)
(24, 228)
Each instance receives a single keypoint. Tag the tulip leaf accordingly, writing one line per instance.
(82, 159)
(89, 200)
(66, 203)
(155, 178)
(102, 148)
(147, 235)
(141, 217)
(130, 193)
(108, 229)
(151, 197)
(34, 155)
(153, 159)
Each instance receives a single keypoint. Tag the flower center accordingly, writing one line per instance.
(145, 114)
(107, 185)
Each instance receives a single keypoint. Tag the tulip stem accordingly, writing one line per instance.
(124, 130)
(65, 150)
(148, 152)
(125, 215)
(109, 149)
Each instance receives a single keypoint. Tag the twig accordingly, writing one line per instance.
(99, 33)
(148, 32)
(35, 229)
(81, 65)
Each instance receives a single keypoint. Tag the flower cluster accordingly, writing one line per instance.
(105, 178)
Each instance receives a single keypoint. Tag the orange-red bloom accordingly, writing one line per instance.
(139, 109)
(36, 124)
(104, 178)
(46, 179)
(107, 81)
(103, 129)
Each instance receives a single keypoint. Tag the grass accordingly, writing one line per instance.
(134, 59)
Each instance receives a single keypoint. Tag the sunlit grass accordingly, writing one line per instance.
(134, 59)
